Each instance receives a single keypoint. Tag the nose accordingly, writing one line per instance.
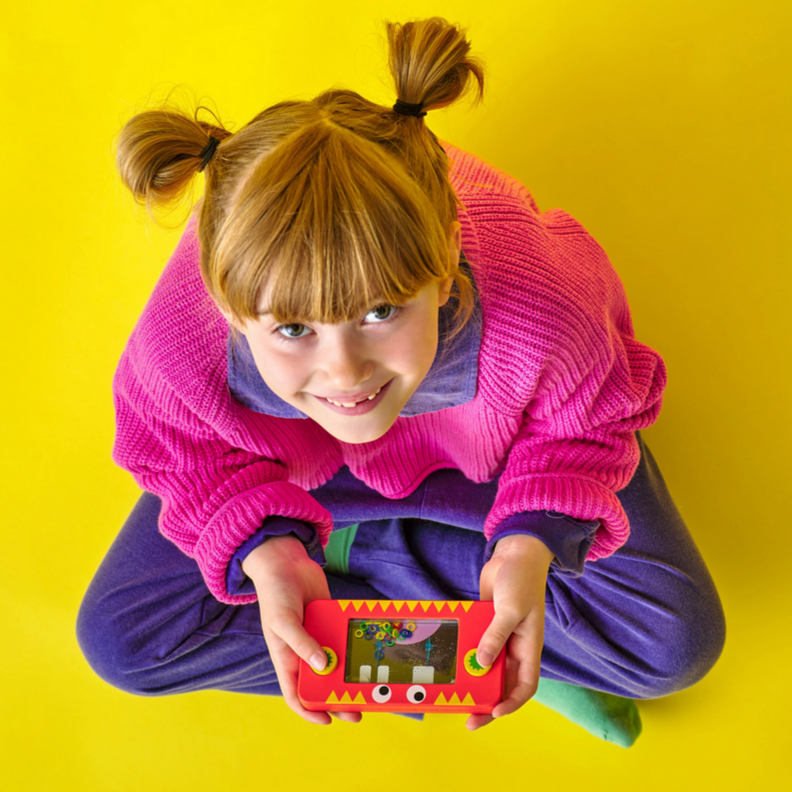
(346, 363)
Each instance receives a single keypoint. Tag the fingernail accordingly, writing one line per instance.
(318, 661)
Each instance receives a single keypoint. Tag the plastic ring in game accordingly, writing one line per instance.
(472, 665)
(359, 633)
(411, 627)
(332, 662)
(405, 633)
(380, 635)
(368, 636)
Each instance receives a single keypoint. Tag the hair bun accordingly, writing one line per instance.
(430, 63)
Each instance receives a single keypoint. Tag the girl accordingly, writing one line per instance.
(368, 331)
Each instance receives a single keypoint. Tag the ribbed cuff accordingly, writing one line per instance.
(568, 539)
(569, 494)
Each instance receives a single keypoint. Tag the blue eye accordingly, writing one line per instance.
(391, 310)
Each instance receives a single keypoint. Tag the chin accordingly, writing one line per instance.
(356, 438)
(353, 437)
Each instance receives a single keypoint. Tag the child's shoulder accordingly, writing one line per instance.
(179, 302)
(538, 265)
(485, 189)
(474, 179)
(180, 337)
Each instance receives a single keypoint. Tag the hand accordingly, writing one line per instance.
(514, 579)
(286, 580)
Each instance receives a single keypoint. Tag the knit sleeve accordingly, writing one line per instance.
(576, 445)
(214, 496)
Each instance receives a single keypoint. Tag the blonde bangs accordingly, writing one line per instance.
(330, 206)
(334, 224)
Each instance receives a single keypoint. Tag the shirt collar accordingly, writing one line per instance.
(451, 380)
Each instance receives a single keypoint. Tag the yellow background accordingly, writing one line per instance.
(663, 127)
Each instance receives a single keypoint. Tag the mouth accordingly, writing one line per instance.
(357, 408)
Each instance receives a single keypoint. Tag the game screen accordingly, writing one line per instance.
(421, 652)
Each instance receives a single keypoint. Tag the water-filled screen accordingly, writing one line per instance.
(409, 651)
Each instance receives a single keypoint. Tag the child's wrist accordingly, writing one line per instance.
(522, 544)
(261, 556)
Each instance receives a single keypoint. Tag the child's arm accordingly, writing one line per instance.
(215, 496)
(574, 368)
(286, 580)
(514, 579)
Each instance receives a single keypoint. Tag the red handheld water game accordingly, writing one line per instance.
(400, 656)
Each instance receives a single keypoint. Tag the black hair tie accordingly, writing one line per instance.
(409, 109)
(207, 153)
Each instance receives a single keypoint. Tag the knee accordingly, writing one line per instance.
(108, 650)
(683, 654)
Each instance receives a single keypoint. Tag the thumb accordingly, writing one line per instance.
(288, 627)
(494, 639)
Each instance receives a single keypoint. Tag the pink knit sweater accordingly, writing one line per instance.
(562, 386)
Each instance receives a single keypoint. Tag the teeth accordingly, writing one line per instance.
(352, 404)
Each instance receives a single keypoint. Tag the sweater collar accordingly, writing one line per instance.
(451, 380)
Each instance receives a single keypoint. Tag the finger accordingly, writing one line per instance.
(349, 717)
(523, 667)
(477, 721)
(511, 673)
(285, 624)
(520, 695)
(286, 664)
(495, 636)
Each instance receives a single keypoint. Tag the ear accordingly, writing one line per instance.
(454, 251)
(445, 291)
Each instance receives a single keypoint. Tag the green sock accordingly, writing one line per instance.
(604, 715)
(337, 550)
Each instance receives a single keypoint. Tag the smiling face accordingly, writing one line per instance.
(389, 349)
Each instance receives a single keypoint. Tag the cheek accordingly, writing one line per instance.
(407, 355)
(279, 370)
(418, 344)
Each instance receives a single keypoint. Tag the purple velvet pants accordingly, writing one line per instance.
(642, 623)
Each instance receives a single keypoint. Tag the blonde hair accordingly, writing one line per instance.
(339, 203)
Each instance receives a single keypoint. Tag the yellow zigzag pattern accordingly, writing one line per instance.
(345, 699)
(454, 701)
(398, 605)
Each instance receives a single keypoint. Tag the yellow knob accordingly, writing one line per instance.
(332, 662)
(472, 665)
